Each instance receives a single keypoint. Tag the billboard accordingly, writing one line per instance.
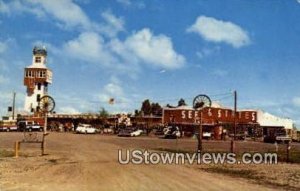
(210, 115)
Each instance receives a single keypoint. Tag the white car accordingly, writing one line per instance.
(86, 129)
(136, 133)
(207, 135)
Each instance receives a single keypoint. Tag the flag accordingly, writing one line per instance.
(111, 101)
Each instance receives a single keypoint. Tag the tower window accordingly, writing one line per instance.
(38, 59)
(38, 97)
(39, 86)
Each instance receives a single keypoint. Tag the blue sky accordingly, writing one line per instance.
(162, 50)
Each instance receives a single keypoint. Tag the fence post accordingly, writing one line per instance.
(288, 148)
(17, 147)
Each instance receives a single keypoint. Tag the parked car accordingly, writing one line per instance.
(283, 138)
(207, 135)
(8, 125)
(278, 138)
(108, 130)
(8, 128)
(29, 126)
(171, 132)
(125, 132)
(136, 133)
(86, 129)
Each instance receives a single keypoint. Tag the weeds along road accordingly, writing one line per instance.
(90, 162)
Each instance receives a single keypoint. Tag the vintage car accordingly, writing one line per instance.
(86, 129)
(29, 126)
(136, 133)
(171, 132)
(125, 132)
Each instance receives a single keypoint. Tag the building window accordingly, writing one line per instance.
(38, 59)
(38, 97)
(39, 86)
(44, 74)
(41, 74)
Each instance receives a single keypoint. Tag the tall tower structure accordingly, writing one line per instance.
(37, 77)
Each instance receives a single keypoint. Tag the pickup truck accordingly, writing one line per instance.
(29, 126)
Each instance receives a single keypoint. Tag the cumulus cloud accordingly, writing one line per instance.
(65, 11)
(112, 25)
(157, 50)
(88, 46)
(217, 31)
(140, 47)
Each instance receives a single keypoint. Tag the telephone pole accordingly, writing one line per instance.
(234, 123)
(13, 109)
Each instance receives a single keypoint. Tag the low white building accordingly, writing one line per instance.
(266, 119)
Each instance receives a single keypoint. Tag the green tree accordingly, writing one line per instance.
(156, 109)
(146, 107)
(103, 113)
(181, 102)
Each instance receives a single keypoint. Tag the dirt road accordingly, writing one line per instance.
(90, 162)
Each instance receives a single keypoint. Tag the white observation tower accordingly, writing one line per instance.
(36, 78)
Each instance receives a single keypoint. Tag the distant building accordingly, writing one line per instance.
(37, 77)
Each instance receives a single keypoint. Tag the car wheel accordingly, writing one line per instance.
(30, 129)
(7, 129)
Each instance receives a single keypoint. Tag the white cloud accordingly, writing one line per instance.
(90, 47)
(215, 30)
(68, 110)
(112, 25)
(18, 7)
(4, 8)
(68, 13)
(156, 50)
(207, 52)
(115, 90)
(296, 101)
(65, 11)
(139, 48)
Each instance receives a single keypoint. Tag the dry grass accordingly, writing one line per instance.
(282, 175)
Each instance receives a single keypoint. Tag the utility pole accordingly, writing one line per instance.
(234, 123)
(13, 109)
(200, 134)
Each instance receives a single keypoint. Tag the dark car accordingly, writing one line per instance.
(125, 132)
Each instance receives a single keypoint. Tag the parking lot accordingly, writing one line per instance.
(90, 162)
